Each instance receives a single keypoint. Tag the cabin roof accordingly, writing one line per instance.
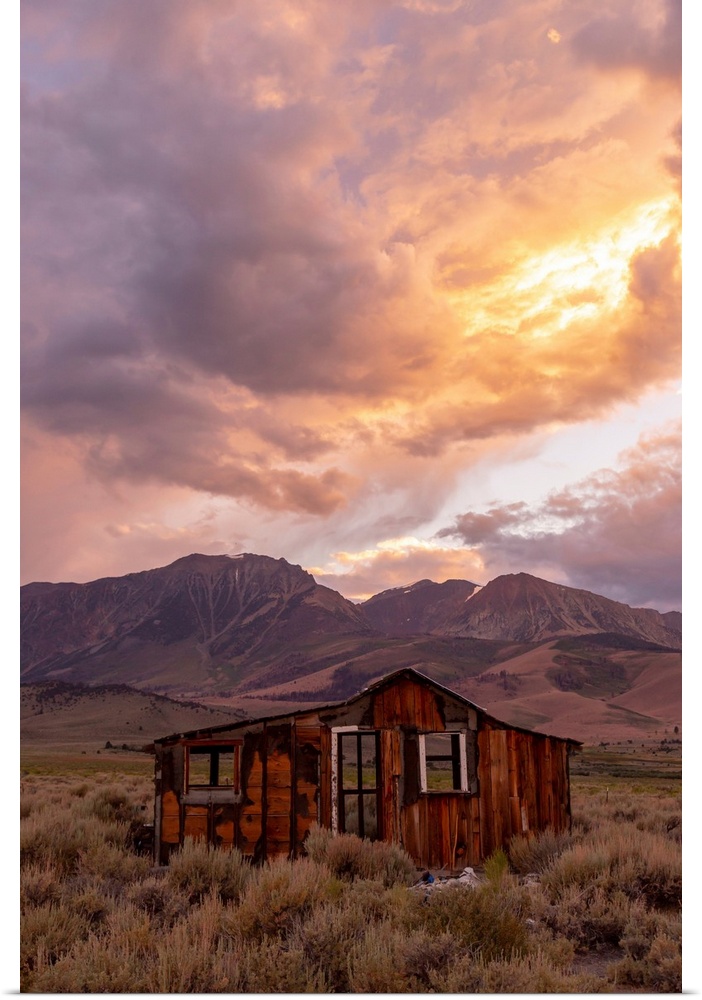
(409, 672)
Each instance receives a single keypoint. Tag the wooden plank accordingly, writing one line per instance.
(387, 806)
(307, 734)
(424, 701)
(408, 716)
(195, 822)
(500, 797)
(325, 778)
(277, 848)
(307, 748)
(485, 791)
(278, 800)
(224, 825)
(444, 825)
(477, 855)
(547, 784)
(170, 818)
(532, 785)
(435, 719)
(280, 777)
(379, 715)
(250, 829)
(396, 711)
(410, 832)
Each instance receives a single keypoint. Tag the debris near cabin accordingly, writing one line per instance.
(468, 879)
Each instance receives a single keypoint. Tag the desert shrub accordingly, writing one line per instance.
(95, 966)
(325, 938)
(496, 866)
(620, 859)
(129, 927)
(56, 844)
(591, 917)
(534, 853)
(40, 883)
(109, 861)
(277, 895)
(197, 870)
(489, 920)
(111, 804)
(48, 933)
(59, 836)
(349, 857)
(652, 945)
(377, 964)
(659, 970)
(188, 958)
(156, 897)
(646, 925)
(273, 967)
(93, 905)
(427, 958)
(526, 974)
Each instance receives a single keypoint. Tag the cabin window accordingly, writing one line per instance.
(356, 782)
(443, 765)
(212, 766)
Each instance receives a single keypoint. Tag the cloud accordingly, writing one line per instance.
(290, 254)
(616, 532)
(625, 39)
(396, 562)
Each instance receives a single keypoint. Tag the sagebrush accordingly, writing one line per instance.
(97, 917)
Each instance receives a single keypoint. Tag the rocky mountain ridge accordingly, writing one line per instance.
(210, 624)
(259, 635)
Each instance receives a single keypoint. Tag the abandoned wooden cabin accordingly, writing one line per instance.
(407, 761)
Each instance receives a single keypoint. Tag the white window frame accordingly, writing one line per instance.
(463, 760)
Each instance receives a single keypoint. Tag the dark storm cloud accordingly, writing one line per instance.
(616, 532)
(621, 39)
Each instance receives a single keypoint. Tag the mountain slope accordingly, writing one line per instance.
(56, 713)
(260, 634)
(186, 618)
(526, 609)
(423, 607)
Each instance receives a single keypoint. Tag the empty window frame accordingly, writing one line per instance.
(358, 783)
(442, 762)
(212, 765)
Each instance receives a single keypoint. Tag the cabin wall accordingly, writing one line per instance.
(520, 782)
(282, 769)
(524, 785)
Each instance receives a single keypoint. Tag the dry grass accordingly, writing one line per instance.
(98, 918)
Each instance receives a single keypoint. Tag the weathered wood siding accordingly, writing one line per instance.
(406, 703)
(443, 831)
(250, 840)
(523, 781)
(307, 766)
(518, 781)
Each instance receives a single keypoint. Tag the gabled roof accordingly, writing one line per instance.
(411, 673)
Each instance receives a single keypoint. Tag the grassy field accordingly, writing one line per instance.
(594, 911)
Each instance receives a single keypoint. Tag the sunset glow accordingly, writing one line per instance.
(337, 283)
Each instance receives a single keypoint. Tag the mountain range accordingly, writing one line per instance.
(259, 634)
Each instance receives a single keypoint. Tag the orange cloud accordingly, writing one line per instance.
(290, 255)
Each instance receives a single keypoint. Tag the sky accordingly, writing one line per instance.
(390, 289)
